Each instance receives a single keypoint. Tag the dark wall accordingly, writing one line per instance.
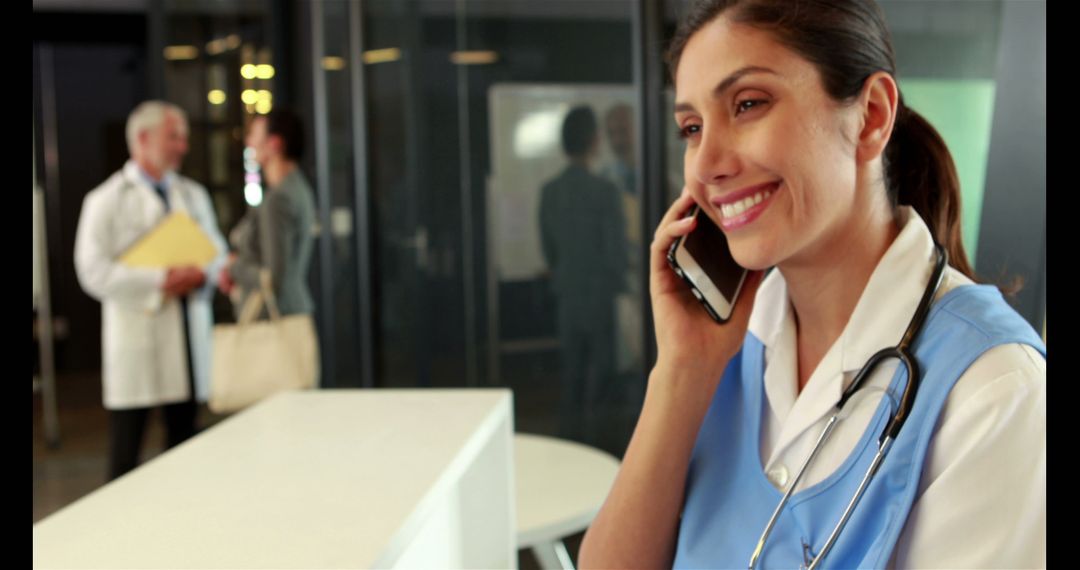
(1012, 241)
(96, 65)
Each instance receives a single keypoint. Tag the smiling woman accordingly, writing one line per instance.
(763, 121)
(800, 147)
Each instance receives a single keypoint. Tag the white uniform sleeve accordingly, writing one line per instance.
(982, 496)
(100, 275)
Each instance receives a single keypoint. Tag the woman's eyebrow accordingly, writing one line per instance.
(726, 83)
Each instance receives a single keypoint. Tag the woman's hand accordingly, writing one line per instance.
(687, 339)
(638, 525)
(225, 282)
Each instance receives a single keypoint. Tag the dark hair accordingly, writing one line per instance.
(578, 130)
(848, 41)
(285, 123)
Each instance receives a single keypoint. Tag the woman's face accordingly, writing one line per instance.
(769, 156)
(258, 140)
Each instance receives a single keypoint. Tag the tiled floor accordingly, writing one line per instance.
(78, 466)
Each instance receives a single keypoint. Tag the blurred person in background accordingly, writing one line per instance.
(276, 235)
(156, 323)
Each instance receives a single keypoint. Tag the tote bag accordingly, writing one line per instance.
(254, 359)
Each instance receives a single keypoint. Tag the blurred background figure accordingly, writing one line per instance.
(583, 233)
(155, 322)
(276, 235)
(621, 170)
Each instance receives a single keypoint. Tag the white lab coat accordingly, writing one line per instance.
(144, 352)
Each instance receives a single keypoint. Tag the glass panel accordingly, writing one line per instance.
(219, 69)
(551, 124)
(336, 68)
(946, 57)
(466, 106)
(394, 67)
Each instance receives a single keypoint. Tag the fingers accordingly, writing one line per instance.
(671, 227)
(181, 280)
(677, 209)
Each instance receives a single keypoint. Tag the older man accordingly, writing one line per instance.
(156, 323)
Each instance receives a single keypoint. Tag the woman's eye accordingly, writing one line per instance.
(689, 131)
(748, 104)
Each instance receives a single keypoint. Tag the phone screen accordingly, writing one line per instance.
(703, 260)
(709, 248)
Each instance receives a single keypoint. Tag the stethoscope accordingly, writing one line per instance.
(901, 352)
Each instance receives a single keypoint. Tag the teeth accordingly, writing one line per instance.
(738, 208)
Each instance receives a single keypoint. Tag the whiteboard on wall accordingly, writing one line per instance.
(526, 151)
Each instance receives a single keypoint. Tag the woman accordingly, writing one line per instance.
(796, 103)
(275, 236)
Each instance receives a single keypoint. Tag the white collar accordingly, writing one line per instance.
(879, 320)
(135, 174)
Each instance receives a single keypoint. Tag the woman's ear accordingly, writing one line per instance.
(879, 104)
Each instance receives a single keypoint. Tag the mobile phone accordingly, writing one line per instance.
(702, 259)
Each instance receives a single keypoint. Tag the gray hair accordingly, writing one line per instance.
(148, 115)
